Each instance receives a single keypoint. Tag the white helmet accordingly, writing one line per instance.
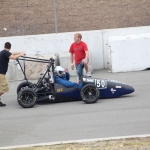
(59, 70)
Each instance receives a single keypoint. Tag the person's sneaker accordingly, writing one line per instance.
(88, 74)
(2, 105)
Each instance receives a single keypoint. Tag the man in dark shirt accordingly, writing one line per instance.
(5, 55)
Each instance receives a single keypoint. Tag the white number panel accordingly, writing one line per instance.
(101, 84)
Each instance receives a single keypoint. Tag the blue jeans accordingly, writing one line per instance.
(79, 69)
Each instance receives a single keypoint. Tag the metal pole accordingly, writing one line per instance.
(55, 16)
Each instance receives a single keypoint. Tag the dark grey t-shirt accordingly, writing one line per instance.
(4, 60)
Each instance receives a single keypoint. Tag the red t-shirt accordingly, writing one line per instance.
(79, 51)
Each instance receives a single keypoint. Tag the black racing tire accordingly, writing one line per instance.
(89, 93)
(23, 85)
(27, 98)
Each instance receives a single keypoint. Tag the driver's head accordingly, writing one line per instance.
(60, 71)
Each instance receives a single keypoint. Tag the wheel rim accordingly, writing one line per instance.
(27, 98)
(89, 93)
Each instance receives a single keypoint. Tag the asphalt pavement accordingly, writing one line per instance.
(51, 122)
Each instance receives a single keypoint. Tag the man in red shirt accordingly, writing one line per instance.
(79, 51)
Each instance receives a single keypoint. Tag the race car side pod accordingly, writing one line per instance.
(49, 97)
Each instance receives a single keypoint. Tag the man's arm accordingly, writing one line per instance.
(71, 60)
(67, 76)
(86, 57)
(16, 55)
(87, 54)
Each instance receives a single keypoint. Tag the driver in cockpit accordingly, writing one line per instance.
(62, 77)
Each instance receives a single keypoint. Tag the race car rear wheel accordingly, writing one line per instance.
(89, 93)
(24, 85)
(27, 98)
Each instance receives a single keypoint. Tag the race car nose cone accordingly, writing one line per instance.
(127, 89)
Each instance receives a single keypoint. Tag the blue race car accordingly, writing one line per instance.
(47, 89)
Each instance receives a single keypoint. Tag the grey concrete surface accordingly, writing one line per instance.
(127, 115)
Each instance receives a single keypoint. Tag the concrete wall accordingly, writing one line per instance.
(56, 44)
(129, 53)
(106, 34)
(97, 41)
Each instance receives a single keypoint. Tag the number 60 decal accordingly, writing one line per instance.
(100, 83)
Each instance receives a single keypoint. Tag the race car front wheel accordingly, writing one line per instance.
(27, 98)
(89, 93)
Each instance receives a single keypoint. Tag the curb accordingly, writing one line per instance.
(76, 141)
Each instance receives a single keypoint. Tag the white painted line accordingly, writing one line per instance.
(77, 141)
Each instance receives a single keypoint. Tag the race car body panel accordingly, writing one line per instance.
(108, 89)
(63, 93)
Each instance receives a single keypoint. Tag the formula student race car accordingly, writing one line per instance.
(47, 89)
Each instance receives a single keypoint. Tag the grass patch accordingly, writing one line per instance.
(123, 144)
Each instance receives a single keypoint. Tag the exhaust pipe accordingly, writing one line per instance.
(49, 97)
